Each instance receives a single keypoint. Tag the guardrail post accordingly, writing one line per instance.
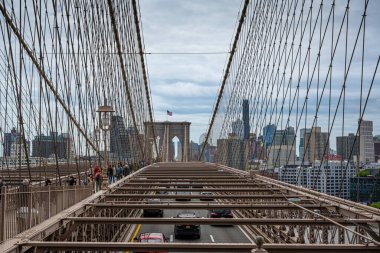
(63, 198)
(49, 200)
(259, 242)
(30, 209)
(3, 213)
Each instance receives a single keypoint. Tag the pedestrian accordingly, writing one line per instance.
(47, 182)
(113, 173)
(119, 171)
(97, 169)
(72, 181)
(110, 174)
(126, 170)
(98, 181)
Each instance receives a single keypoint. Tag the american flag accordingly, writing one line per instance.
(169, 113)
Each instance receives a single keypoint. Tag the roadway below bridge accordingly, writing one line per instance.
(288, 218)
(209, 233)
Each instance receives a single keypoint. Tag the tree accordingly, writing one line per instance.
(363, 173)
(376, 205)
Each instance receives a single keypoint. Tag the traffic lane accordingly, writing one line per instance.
(209, 234)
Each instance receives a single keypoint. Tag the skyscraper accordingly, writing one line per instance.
(367, 152)
(9, 139)
(347, 147)
(303, 131)
(238, 128)
(232, 152)
(376, 145)
(316, 145)
(282, 151)
(118, 139)
(284, 137)
(47, 146)
(246, 119)
(268, 134)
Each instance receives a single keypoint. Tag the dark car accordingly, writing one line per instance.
(153, 212)
(151, 238)
(220, 213)
(184, 230)
(206, 194)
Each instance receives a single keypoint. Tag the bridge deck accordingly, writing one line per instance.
(289, 218)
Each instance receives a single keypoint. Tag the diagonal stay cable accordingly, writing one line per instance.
(44, 75)
(123, 72)
(144, 70)
(226, 73)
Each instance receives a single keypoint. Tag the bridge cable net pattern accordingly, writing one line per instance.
(105, 220)
(299, 72)
(60, 60)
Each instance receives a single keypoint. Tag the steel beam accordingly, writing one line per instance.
(193, 196)
(200, 180)
(266, 186)
(183, 177)
(216, 221)
(204, 206)
(225, 189)
(198, 247)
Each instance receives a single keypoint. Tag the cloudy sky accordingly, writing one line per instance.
(187, 84)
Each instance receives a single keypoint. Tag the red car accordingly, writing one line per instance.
(151, 238)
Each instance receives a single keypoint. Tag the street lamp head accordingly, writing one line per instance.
(105, 114)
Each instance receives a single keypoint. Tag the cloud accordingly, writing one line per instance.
(187, 84)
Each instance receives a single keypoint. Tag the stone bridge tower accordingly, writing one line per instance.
(165, 132)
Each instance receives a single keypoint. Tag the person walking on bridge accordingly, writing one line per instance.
(110, 174)
(119, 171)
(98, 178)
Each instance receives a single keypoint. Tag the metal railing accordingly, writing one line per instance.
(24, 207)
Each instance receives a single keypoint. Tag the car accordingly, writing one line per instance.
(206, 194)
(151, 238)
(153, 212)
(179, 196)
(185, 230)
(220, 213)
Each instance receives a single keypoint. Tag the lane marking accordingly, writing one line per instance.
(212, 238)
(246, 235)
(136, 232)
(171, 238)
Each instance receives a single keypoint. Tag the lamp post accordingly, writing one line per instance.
(105, 122)
(97, 142)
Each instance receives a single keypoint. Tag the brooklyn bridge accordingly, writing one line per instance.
(87, 165)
